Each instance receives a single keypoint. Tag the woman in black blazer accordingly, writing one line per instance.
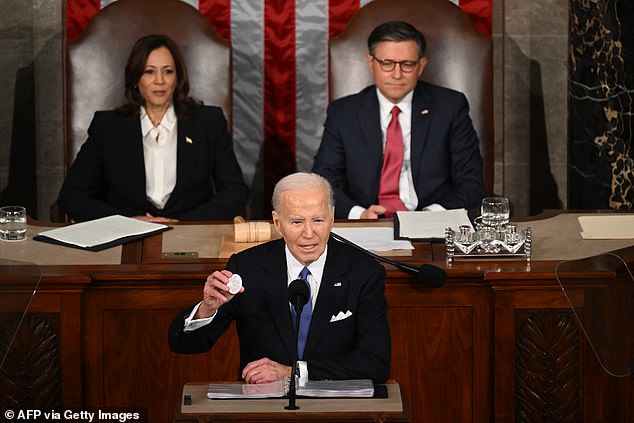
(162, 156)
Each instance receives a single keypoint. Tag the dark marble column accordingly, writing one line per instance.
(600, 101)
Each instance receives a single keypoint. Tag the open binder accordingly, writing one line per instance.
(100, 234)
(354, 388)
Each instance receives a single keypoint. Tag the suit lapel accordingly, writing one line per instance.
(187, 147)
(331, 289)
(370, 123)
(275, 286)
(422, 114)
(130, 142)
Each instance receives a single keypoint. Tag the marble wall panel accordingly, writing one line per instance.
(31, 114)
(534, 113)
(601, 101)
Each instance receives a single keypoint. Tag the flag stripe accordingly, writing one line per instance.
(481, 12)
(247, 40)
(218, 13)
(311, 75)
(341, 11)
(78, 13)
(279, 92)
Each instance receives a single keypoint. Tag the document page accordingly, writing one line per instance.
(429, 224)
(616, 226)
(102, 231)
(375, 239)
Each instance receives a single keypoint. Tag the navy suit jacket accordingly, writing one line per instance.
(445, 155)
(356, 347)
(108, 175)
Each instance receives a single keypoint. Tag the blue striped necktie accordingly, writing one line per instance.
(307, 313)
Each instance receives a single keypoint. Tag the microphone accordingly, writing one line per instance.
(428, 274)
(298, 295)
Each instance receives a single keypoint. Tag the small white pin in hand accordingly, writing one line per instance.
(234, 283)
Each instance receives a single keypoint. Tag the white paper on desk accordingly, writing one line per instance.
(430, 224)
(375, 239)
(102, 231)
(607, 226)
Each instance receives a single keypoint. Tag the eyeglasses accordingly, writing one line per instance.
(387, 65)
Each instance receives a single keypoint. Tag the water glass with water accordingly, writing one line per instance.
(12, 223)
(495, 211)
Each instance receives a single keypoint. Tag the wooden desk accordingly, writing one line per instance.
(202, 409)
(485, 347)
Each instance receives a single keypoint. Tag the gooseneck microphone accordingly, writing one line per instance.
(428, 274)
(298, 295)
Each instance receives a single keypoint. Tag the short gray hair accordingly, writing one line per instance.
(301, 181)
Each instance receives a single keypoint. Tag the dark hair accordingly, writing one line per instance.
(134, 68)
(396, 31)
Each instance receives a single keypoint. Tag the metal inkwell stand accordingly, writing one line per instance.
(493, 237)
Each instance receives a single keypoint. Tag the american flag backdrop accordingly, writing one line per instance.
(280, 71)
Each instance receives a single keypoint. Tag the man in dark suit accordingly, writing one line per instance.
(348, 336)
(440, 161)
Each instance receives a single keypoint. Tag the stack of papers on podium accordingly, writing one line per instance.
(247, 390)
(355, 388)
(99, 234)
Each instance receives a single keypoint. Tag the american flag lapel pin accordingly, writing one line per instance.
(424, 112)
(188, 140)
(337, 284)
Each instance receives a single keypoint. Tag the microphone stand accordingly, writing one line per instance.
(292, 390)
(428, 274)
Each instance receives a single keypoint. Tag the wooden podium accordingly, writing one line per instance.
(461, 353)
(194, 406)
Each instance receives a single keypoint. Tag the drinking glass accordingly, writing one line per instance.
(12, 223)
(495, 211)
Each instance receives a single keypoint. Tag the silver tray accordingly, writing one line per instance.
(486, 242)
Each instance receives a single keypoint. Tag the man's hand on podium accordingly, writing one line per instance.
(265, 370)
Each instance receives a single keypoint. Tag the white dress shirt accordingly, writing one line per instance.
(159, 154)
(407, 191)
(316, 268)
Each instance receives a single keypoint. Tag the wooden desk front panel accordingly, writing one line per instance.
(441, 349)
(543, 366)
(457, 351)
(128, 361)
(43, 368)
(440, 338)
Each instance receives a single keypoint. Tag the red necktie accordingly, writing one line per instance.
(391, 170)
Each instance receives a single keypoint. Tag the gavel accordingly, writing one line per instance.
(251, 231)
